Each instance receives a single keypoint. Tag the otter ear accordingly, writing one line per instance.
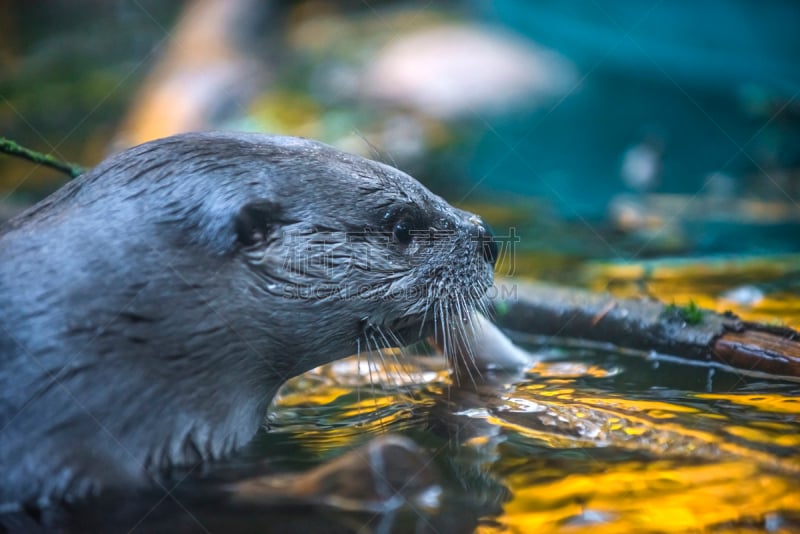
(256, 221)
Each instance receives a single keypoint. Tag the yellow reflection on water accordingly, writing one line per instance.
(657, 496)
(764, 402)
(575, 451)
(608, 462)
(339, 405)
(569, 419)
(695, 469)
(319, 396)
(745, 286)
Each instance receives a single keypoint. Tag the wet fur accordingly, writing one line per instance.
(150, 309)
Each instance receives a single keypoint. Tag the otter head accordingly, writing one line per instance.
(353, 254)
(152, 307)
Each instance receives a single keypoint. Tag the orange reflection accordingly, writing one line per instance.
(648, 497)
(707, 282)
(713, 474)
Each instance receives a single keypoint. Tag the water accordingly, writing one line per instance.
(590, 438)
(587, 440)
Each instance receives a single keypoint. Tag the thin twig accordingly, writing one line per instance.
(7, 146)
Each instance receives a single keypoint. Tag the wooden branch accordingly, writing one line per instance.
(7, 146)
(647, 325)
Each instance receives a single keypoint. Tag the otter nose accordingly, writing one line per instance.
(485, 238)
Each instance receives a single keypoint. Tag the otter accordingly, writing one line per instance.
(151, 308)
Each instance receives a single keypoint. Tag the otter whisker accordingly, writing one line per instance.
(377, 352)
(447, 335)
(388, 347)
(468, 333)
(407, 386)
(406, 365)
(482, 305)
(371, 352)
(439, 324)
(437, 321)
(427, 308)
(381, 354)
(358, 386)
(467, 358)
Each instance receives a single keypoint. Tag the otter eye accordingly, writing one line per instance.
(402, 232)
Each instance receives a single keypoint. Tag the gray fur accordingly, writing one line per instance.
(140, 329)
